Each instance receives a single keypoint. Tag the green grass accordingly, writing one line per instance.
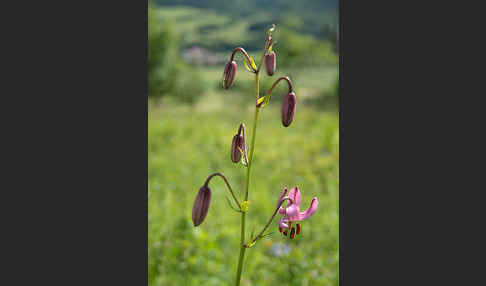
(187, 143)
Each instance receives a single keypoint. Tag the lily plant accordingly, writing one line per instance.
(291, 211)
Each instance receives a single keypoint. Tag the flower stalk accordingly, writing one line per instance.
(248, 173)
(227, 184)
(239, 148)
(260, 235)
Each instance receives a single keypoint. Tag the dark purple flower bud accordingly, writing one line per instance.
(229, 74)
(238, 144)
(288, 108)
(201, 205)
(270, 63)
(235, 152)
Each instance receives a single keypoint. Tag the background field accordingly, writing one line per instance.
(191, 124)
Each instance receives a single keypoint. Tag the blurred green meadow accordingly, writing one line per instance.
(191, 124)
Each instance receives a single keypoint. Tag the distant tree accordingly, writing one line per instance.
(247, 7)
(167, 73)
(162, 55)
(302, 48)
(329, 32)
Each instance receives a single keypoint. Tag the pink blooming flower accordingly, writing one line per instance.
(292, 212)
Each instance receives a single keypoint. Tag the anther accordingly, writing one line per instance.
(298, 229)
(292, 233)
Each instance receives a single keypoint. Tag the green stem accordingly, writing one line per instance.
(253, 136)
(242, 250)
(250, 163)
(260, 235)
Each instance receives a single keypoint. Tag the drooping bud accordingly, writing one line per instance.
(238, 144)
(235, 152)
(229, 74)
(270, 63)
(201, 205)
(289, 104)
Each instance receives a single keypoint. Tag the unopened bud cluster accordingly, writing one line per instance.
(238, 143)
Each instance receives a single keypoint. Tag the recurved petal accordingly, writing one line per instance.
(294, 194)
(311, 210)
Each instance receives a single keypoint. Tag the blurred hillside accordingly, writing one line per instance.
(219, 24)
(315, 11)
(246, 7)
(187, 44)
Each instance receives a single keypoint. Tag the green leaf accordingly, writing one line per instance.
(243, 157)
(260, 100)
(231, 206)
(251, 245)
(247, 67)
(253, 68)
(267, 234)
(253, 65)
(270, 48)
(264, 100)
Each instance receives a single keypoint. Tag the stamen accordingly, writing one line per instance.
(285, 232)
(292, 233)
(279, 229)
(298, 228)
